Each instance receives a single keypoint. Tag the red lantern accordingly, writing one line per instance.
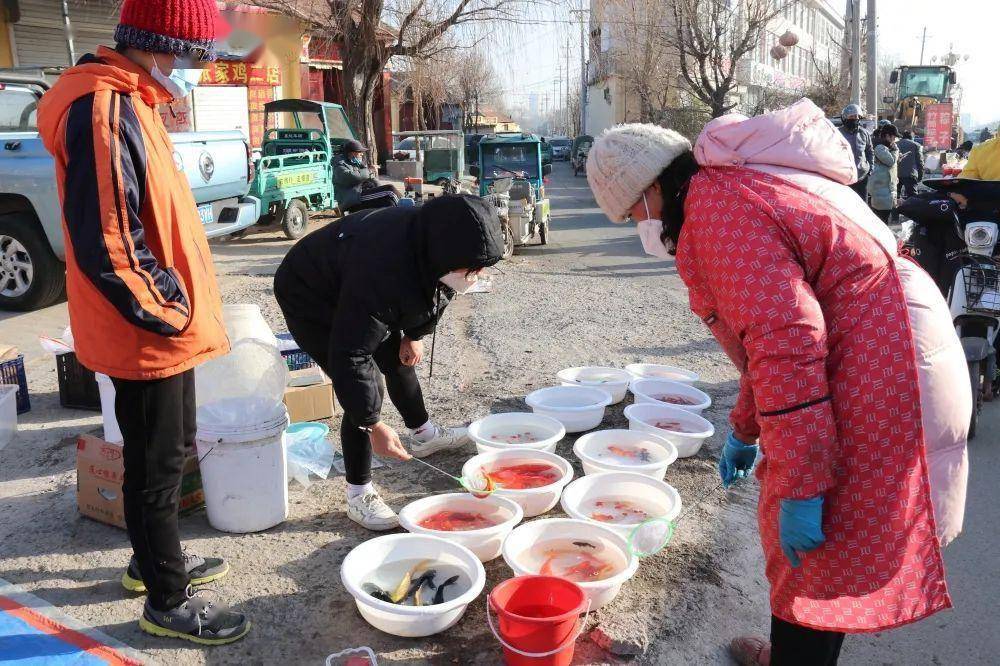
(778, 52)
(789, 39)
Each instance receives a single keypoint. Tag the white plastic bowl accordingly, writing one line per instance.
(613, 380)
(601, 592)
(485, 542)
(578, 408)
(481, 430)
(657, 371)
(646, 390)
(651, 493)
(643, 417)
(589, 446)
(410, 621)
(534, 501)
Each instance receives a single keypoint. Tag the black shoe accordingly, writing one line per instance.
(195, 619)
(202, 570)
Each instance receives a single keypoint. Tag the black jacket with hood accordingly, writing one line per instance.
(376, 272)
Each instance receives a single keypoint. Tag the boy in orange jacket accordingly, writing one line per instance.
(143, 302)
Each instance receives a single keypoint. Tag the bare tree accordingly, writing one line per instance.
(644, 58)
(477, 85)
(829, 89)
(370, 32)
(712, 38)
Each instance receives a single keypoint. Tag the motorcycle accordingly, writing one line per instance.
(958, 247)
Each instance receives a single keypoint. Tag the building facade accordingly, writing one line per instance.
(820, 29)
(611, 95)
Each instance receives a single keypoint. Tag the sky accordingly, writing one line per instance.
(528, 56)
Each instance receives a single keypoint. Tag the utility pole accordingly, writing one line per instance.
(856, 52)
(872, 53)
(68, 33)
(565, 113)
(583, 71)
(923, 43)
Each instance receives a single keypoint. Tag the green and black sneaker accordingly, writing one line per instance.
(196, 619)
(202, 570)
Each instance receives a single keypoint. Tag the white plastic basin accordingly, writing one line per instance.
(613, 380)
(486, 542)
(658, 499)
(592, 450)
(657, 371)
(517, 547)
(362, 563)
(651, 390)
(534, 501)
(645, 416)
(578, 408)
(486, 430)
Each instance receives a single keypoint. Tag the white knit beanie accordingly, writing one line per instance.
(625, 160)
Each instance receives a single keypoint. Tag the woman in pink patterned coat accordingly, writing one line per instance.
(852, 378)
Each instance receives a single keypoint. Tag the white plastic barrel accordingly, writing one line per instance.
(112, 433)
(246, 321)
(243, 473)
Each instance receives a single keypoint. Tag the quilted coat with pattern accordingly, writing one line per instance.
(851, 373)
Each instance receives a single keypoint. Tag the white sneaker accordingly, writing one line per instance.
(371, 512)
(447, 438)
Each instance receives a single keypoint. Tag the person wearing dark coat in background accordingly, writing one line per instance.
(911, 165)
(358, 296)
(861, 145)
(964, 149)
(354, 184)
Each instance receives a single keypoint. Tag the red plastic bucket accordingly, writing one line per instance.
(538, 619)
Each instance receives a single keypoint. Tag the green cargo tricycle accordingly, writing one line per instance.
(294, 174)
(512, 176)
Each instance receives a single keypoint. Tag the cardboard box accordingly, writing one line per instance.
(310, 403)
(100, 470)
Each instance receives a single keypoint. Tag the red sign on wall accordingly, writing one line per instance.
(938, 119)
(257, 97)
(225, 73)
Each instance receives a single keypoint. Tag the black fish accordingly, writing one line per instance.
(439, 597)
(426, 577)
(377, 592)
(584, 544)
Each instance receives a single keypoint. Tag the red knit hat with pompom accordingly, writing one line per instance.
(180, 27)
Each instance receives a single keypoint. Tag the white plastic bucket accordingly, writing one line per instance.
(591, 449)
(660, 499)
(243, 473)
(112, 433)
(534, 501)
(644, 416)
(550, 429)
(600, 592)
(613, 380)
(578, 408)
(650, 390)
(658, 371)
(245, 320)
(8, 413)
(410, 621)
(486, 542)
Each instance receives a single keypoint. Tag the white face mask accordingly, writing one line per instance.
(650, 232)
(460, 281)
(182, 80)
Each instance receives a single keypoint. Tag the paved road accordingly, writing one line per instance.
(966, 635)
(550, 313)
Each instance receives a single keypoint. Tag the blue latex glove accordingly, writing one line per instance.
(736, 461)
(800, 526)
